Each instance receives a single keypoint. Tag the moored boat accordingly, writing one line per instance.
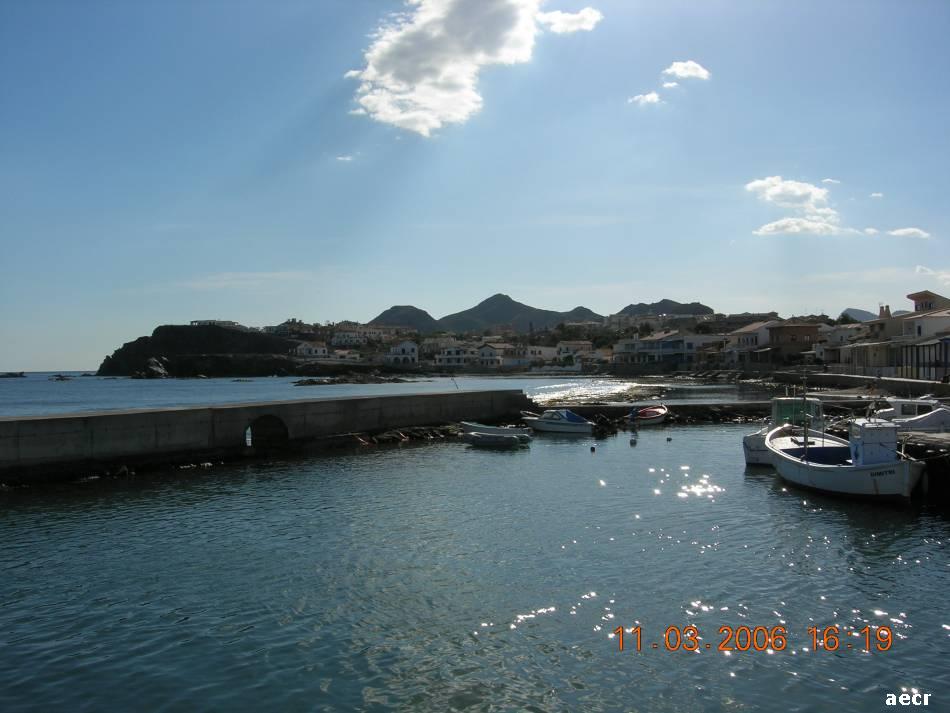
(473, 427)
(497, 440)
(923, 414)
(557, 421)
(792, 410)
(650, 415)
(867, 464)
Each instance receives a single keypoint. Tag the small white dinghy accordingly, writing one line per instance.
(473, 427)
(496, 440)
(867, 464)
(650, 415)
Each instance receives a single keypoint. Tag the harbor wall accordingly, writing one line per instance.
(900, 387)
(142, 435)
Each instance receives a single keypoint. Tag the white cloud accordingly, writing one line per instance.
(670, 85)
(830, 180)
(876, 195)
(423, 65)
(644, 99)
(795, 226)
(909, 233)
(871, 231)
(687, 70)
(790, 194)
(344, 158)
(814, 215)
(564, 22)
(941, 275)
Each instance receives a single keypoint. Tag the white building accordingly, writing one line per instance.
(404, 354)
(574, 348)
(536, 354)
(457, 355)
(625, 351)
(218, 323)
(314, 350)
(918, 326)
(348, 338)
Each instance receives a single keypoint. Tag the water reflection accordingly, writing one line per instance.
(439, 576)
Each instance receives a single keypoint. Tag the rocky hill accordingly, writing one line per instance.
(665, 306)
(501, 310)
(407, 316)
(174, 342)
(862, 315)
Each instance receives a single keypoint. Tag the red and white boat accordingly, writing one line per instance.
(650, 415)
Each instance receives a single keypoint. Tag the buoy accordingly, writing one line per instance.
(669, 438)
(633, 441)
(593, 448)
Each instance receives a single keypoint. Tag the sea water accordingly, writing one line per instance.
(440, 577)
(38, 393)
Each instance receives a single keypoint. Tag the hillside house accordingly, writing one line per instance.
(403, 354)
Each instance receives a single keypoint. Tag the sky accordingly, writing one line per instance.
(253, 161)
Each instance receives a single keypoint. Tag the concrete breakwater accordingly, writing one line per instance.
(38, 445)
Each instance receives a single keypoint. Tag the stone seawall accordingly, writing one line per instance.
(900, 387)
(32, 445)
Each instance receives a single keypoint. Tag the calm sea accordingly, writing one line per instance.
(438, 578)
(38, 394)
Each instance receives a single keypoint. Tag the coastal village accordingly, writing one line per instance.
(911, 343)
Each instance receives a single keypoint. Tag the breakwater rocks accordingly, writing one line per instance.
(608, 420)
(353, 377)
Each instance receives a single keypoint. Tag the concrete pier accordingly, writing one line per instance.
(34, 445)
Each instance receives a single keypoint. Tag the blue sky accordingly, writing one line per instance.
(162, 162)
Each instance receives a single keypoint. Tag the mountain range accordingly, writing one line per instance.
(502, 311)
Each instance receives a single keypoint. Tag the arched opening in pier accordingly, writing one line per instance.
(266, 432)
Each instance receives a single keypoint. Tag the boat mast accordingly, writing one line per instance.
(805, 418)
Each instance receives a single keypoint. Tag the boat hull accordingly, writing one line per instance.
(497, 440)
(540, 424)
(472, 427)
(753, 447)
(651, 416)
(893, 479)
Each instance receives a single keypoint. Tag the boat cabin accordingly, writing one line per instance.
(873, 441)
(908, 408)
(789, 409)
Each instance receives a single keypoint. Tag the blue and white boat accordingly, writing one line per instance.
(557, 421)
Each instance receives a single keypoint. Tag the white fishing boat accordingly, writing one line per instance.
(650, 415)
(473, 427)
(785, 409)
(557, 421)
(907, 408)
(497, 440)
(923, 414)
(867, 464)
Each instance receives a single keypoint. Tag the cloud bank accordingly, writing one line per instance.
(813, 214)
(423, 65)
